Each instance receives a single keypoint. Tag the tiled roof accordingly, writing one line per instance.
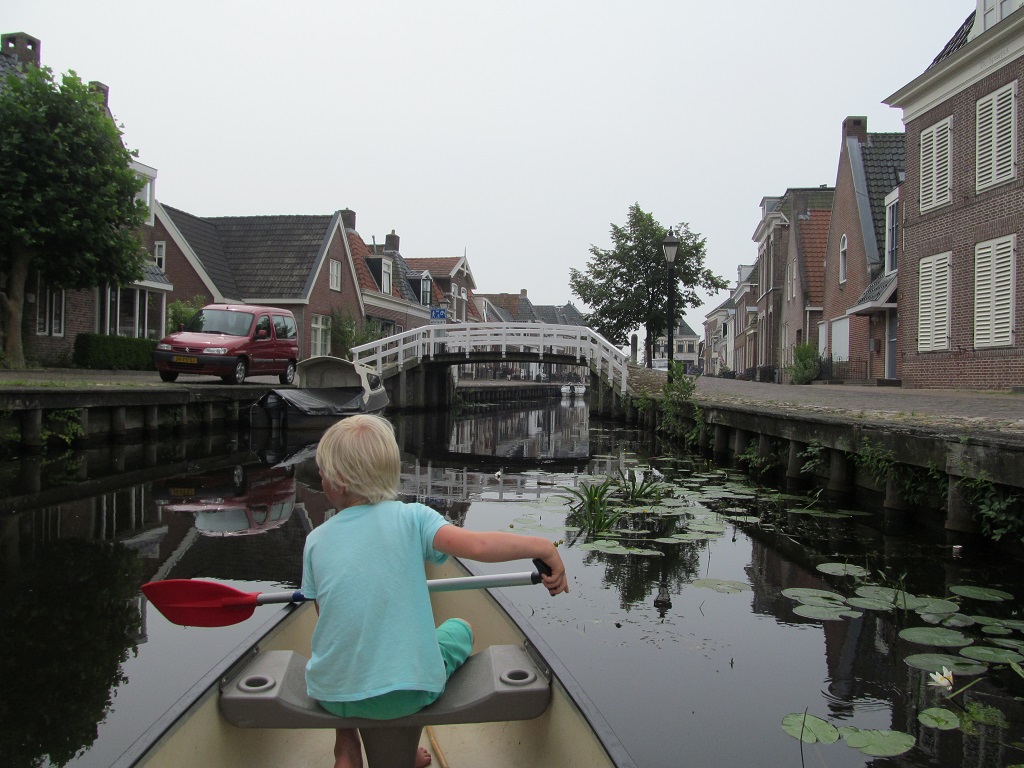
(204, 239)
(685, 329)
(8, 63)
(884, 163)
(958, 41)
(566, 315)
(437, 266)
(151, 273)
(881, 288)
(813, 236)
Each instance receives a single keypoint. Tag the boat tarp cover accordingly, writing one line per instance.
(335, 401)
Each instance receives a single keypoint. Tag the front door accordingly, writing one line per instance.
(891, 329)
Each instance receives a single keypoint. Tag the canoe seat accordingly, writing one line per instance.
(502, 682)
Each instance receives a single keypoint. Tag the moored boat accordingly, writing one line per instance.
(567, 732)
(327, 389)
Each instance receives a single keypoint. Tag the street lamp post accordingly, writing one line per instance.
(670, 246)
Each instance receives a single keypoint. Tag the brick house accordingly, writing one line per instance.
(744, 340)
(961, 302)
(859, 305)
(718, 349)
(301, 263)
(809, 212)
(789, 256)
(455, 283)
(53, 317)
(686, 343)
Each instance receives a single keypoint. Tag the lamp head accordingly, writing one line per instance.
(670, 246)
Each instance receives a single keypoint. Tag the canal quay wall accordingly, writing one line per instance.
(820, 435)
(962, 434)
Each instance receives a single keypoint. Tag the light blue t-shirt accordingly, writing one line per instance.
(375, 633)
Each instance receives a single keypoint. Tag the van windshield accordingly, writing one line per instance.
(220, 321)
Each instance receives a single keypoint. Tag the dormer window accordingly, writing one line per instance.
(385, 276)
(892, 231)
(425, 290)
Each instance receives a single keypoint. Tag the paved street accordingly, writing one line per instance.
(953, 409)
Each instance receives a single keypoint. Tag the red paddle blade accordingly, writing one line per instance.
(200, 603)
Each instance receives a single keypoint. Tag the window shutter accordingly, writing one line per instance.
(942, 171)
(996, 137)
(927, 170)
(993, 292)
(933, 303)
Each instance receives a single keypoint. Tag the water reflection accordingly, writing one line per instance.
(690, 647)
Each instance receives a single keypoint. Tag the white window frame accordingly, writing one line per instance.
(996, 137)
(934, 291)
(320, 335)
(385, 276)
(335, 275)
(994, 280)
(160, 254)
(892, 231)
(425, 291)
(49, 309)
(936, 165)
(843, 265)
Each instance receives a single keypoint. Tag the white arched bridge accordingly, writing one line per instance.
(416, 364)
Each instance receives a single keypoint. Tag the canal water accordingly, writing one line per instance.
(722, 624)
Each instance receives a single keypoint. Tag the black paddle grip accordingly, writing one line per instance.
(542, 568)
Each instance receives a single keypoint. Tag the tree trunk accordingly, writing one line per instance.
(17, 277)
(648, 350)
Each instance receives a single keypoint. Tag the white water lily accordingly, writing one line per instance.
(942, 679)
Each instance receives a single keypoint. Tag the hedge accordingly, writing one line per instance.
(113, 353)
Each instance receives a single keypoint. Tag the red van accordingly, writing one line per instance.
(232, 341)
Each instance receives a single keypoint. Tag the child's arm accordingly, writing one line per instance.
(497, 547)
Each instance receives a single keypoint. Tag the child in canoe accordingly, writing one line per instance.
(376, 653)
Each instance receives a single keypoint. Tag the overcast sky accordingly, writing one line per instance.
(513, 132)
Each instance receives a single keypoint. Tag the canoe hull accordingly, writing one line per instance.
(567, 734)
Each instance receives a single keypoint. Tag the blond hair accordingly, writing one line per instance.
(360, 453)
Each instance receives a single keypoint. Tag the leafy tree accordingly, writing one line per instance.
(806, 364)
(181, 311)
(627, 286)
(346, 333)
(67, 194)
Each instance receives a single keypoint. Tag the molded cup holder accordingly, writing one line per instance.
(256, 684)
(518, 677)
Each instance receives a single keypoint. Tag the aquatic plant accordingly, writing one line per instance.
(997, 509)
(682, 419)
(591, 506)
(648, 488)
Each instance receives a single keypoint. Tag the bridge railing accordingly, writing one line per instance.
(408, 348)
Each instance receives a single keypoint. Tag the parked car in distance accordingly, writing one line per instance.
(232, 341)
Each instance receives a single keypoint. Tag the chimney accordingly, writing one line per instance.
(391, 242)
(24, 48)
(522, 293)
(857, 128)
(103, 90)
(348, 218)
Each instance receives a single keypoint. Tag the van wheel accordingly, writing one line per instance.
(238, 375)
(168, 376)
(289, 374)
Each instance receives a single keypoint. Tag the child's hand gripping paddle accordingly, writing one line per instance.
(196, 603)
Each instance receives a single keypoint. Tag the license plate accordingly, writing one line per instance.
(182, 491)
(186, 360)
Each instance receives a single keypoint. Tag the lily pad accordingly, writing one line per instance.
(937, 717)
(934, 662)
(947, 638)
(843, 569)
(826, 612)
(822, 600)
(668, 540)
(722, 585)
(877, 743)
(690, 536)
(1005, 642)
(935, 605)
(878, 593)
(980, 593)
(809, 729)
(798, 593)
(991, 655)
(996, 629)
(870, 604)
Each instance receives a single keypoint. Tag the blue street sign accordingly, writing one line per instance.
(438, 315)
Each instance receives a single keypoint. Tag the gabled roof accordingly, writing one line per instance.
(447, 267)
(958, 41)
(877, 166)
(813, 245)
(269, 257)
(565, 315)
(685, 329)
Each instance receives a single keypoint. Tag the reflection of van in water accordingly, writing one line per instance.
(232, 341)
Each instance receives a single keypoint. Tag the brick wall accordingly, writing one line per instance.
(957, 227)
